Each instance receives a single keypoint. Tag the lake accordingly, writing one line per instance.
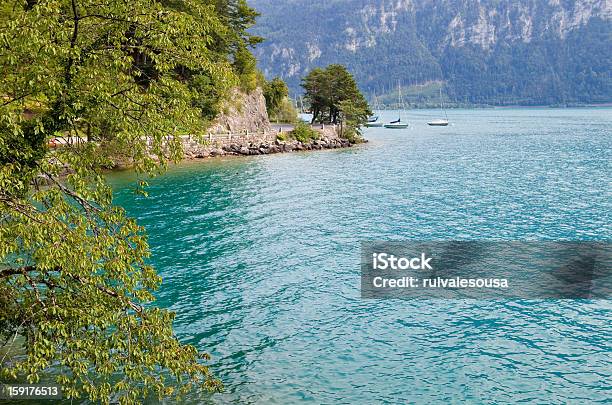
(260, 260)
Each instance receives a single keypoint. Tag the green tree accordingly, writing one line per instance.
(318, 93)
(286, 112)
(278, 105)
(332, 94)
(75, 286)
(354, 114)
(245, 66)
(238, 17)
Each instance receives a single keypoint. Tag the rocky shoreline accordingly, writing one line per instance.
(254, 148)
(245, 130)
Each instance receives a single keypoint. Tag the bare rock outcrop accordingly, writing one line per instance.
(244, 112)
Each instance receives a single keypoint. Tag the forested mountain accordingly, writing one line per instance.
(482, 51)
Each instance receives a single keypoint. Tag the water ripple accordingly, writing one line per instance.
(260, 258)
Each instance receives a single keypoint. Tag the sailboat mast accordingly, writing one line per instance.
(399, 100)
(442, 104)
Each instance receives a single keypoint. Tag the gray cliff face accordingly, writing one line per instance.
(244, 112)
(478, 22)
(486, 23)
(413, 41)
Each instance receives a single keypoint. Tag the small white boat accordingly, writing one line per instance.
(398, 124)
(376, 124)
(438, 123)
(441, 122)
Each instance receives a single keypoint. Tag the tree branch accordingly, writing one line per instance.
(136, 307)
(28, 269)
(19, 270)
(75, 33)
(82, 201)
(12, 100)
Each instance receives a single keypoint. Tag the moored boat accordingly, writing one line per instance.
(440, 122)
(398, 124)
(373, 120)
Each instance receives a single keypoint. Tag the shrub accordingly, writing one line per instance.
(304, 133)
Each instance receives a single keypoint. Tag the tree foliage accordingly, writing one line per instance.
(354, 114)
(92, 77)
(239, 17)
(245, 65)
(333, 95)
(286, 112)
(278, 105)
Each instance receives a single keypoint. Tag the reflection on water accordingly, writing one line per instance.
(260, 258)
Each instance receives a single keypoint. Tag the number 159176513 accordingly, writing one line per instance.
(30, 391)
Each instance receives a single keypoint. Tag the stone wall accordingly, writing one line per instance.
(257, 144)
(261, 143)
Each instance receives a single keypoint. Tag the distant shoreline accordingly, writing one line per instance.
(483, 106)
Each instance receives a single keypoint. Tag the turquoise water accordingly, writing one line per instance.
(260, 258)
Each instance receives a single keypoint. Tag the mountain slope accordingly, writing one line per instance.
(483, 51)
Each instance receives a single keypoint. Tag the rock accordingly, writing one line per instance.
(259, 145)
(244, 112)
